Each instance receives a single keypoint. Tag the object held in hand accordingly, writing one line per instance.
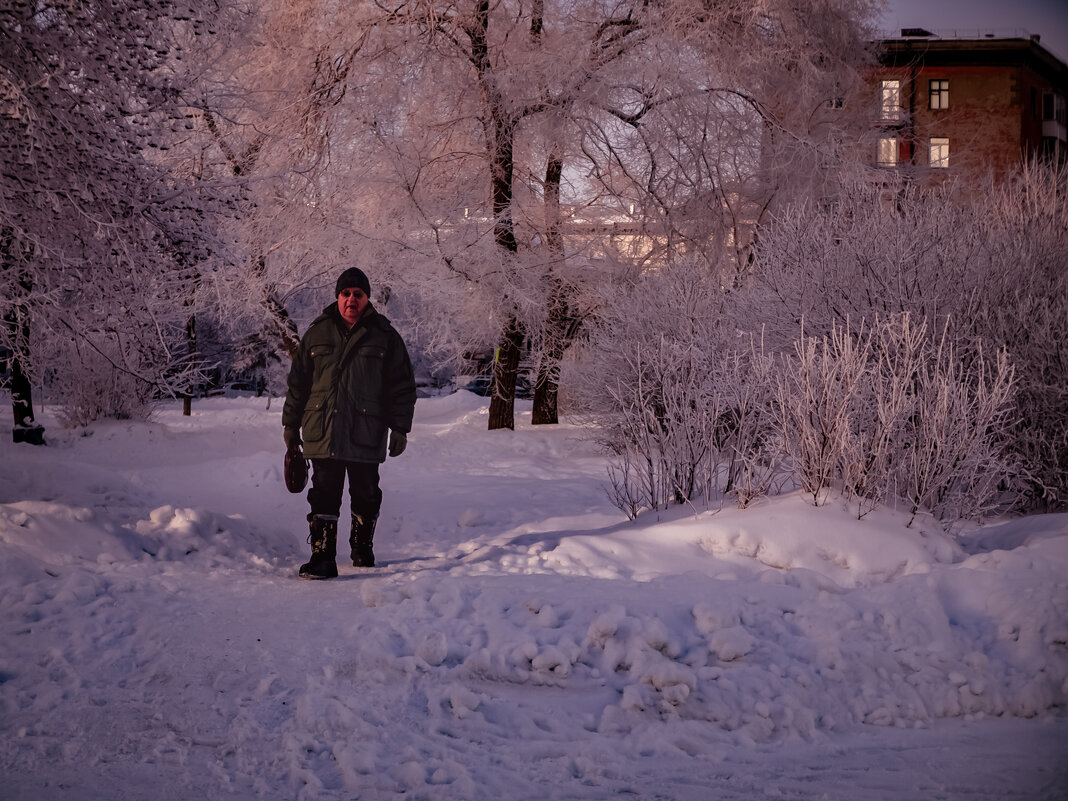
(296, 470)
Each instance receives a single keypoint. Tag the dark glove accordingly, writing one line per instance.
(397, 443)
(292, 437)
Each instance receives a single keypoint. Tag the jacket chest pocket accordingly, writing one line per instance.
(322, 359)
(372, 354)
(370, 364)
(364, 381)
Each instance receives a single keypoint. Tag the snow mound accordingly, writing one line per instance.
(518, 633)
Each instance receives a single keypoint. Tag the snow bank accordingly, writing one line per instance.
(518, 634)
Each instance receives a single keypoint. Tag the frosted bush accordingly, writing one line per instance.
(890, 412)
(990, 265)
(818, 393)
(680, 400)
(1026, 312)
(87, 387)
(692, 410)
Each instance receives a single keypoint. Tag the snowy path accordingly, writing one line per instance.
(520, 640)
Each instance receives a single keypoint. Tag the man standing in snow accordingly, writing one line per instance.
(350, 385)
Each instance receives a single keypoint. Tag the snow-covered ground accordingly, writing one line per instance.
(520, 639)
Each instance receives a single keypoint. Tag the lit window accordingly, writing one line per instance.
(939, 94)
(938, 153)
(891, 100)
(887, 152)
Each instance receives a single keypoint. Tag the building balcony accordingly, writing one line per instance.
(1051, 129)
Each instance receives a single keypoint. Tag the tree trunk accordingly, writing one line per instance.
(283, 323)
(546, 386)
(191, 341)
(505, 370)
(499, 125)
(562, 326)
(559, 326)
(17, 322)
(26, 428)
(546, 392)
(277, 315)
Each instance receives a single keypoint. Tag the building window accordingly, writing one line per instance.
(939, 94)
(938, 153)
(1053, 109)
(891, 100)
(887, 152)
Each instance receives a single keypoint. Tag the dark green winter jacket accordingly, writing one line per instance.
(347, 389)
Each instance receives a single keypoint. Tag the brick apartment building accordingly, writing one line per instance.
(968, 105)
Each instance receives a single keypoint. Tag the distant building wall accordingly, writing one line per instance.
(968, 106)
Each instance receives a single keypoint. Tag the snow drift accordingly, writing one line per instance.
(520, 638)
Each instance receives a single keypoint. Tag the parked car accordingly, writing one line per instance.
(427, 387)
(480, 385)
(483, 386)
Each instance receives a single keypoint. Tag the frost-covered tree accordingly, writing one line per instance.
(481, 151)
(725, 111)
(99, 240)
(255, 108)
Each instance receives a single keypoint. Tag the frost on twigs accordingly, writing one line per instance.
(891, 412)
(680, 398)
(855, 363)
(972, 296)
(103, 236)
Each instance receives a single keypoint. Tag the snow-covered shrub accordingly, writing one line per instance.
(955, 462)
(891, 412)
(101, 362)
(748, 438)
(691, 409)
(872, 450)
(94, 387)
(819, 392)
(870, 253)
(913, 347)
(647, 382)
(681, 401)
(1026, 312)
(990, 268)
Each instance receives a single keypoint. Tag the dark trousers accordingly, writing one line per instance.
(328, 480)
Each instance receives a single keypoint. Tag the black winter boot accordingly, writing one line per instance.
(323, 539)
(361, 540)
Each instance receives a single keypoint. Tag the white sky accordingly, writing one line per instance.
(1048, 18)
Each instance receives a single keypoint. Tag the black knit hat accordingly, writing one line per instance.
(352, 277)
